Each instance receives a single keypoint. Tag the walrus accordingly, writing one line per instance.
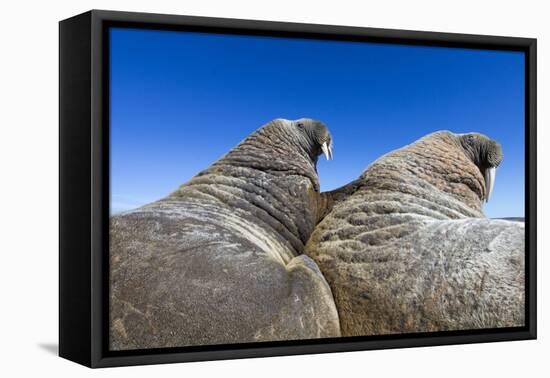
(220, 260)
(406, 247)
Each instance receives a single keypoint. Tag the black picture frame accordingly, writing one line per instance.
(84, 187)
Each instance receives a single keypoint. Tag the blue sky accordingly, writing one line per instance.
(180, 100)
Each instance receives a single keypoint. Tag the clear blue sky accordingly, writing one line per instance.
(181, 100)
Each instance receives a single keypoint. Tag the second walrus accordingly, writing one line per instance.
(407, 248)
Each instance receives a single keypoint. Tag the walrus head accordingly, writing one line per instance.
(280, 147)
(316, 137)
(486, 154)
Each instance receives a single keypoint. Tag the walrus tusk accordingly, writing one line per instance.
(327, 150)
(490, 175)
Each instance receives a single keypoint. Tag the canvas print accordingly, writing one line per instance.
(275, 189)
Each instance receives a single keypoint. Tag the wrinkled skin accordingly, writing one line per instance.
(219, 260)
(406, 247)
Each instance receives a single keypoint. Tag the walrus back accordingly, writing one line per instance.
(426, 276)
(183, 275)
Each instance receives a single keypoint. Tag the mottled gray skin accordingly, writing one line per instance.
(219, 260)
(406, 247)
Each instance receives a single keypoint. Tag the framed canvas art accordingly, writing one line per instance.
(236, 188)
